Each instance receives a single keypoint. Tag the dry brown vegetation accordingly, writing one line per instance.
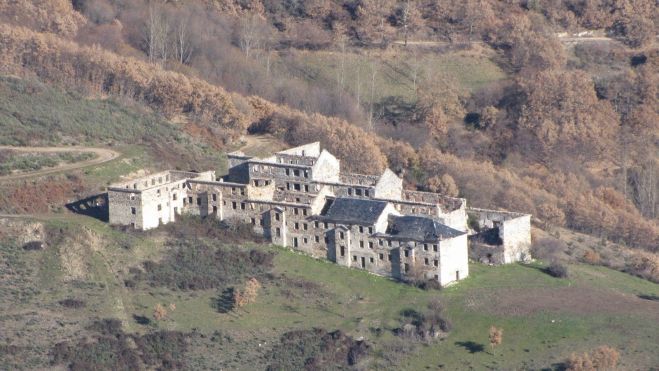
(573, 148)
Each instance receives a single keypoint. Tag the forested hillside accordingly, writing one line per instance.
(567, 131)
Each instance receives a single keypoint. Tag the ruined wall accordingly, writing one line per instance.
(327, 168)
(516, 236)
(389, 186)
(310, 149)
(514, 231)
(125, 208)
(454, 260)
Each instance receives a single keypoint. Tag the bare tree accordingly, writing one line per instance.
(183, 39)
(250, 34)
(157, 30)
(374, 71)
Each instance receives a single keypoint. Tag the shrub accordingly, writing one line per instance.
(201, 265)
(601, 358)
(592, 257)
(557, 270)
(72, 303)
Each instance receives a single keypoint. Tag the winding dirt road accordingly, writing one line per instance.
(102, 155)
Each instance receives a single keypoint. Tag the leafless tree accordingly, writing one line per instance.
(250, 34)
(157, 30)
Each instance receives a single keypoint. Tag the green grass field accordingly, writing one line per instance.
(544, 318)
(393, 71)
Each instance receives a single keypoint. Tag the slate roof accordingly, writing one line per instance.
(354, 211)
(419, 228)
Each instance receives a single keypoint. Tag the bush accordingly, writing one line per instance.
(602, 358)
(201, 265)
(557, 270)
(72, 303)
(316, 349)
(113, 349)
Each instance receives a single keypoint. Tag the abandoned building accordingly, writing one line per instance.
(299, 198)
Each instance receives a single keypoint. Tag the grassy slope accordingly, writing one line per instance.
(350, 300)
(32, 113)
(470, 69)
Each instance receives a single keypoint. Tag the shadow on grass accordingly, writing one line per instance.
(95, 206)
(649, 297)
(471, 346)
(224, 303)
(142, 320)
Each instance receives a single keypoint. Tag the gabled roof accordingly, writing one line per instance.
(355, 211)
(419, 228)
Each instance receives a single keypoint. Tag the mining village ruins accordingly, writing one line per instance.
(299, 198)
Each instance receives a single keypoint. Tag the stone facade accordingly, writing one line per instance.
(500, 237)
(298, 198)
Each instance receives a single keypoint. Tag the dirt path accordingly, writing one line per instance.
(102, 155)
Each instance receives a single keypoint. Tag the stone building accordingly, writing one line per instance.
(299, 198)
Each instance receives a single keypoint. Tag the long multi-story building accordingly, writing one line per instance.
(299, 198)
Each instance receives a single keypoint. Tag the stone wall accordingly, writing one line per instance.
(389, 186)
(514, 232)
(327, 168)
(454, 259)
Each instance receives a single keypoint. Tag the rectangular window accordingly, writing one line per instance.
(381, 242)
(198, 200)
(407, 267)
(304, 212)
(366, 193)
(242, 206)
(296, 172)
(159, 207)
(425, 247)
(297, 226)
(361, 244)
(158, 192)
(354, 258)
(426, 261)
(174, 196)
(361, 229)
(317, 239)
(371, 260)
(234, 205)
(242, 191)
(233, 190)
(407, 253)
(287, 172)
(253, 221)
(190, 200)
(358, 192)
(370, 230)
(296, 186)
(214, 196)
(305, 240)
(343, 250)
(436, 263)
(341, 235)
(434, 248)
(214, 209)
(305, 226)
(278, 232)
(381, 256)
(370, 244)
(133, 210)
(315, 224)
(296, 211)
(277, 216)
(306, 188)
(349, 191)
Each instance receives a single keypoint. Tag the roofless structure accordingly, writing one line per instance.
(299, 198)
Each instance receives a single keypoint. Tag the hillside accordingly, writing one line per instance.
(89, 271)
(543, 107)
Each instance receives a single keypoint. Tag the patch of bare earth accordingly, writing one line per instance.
(573, 300)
